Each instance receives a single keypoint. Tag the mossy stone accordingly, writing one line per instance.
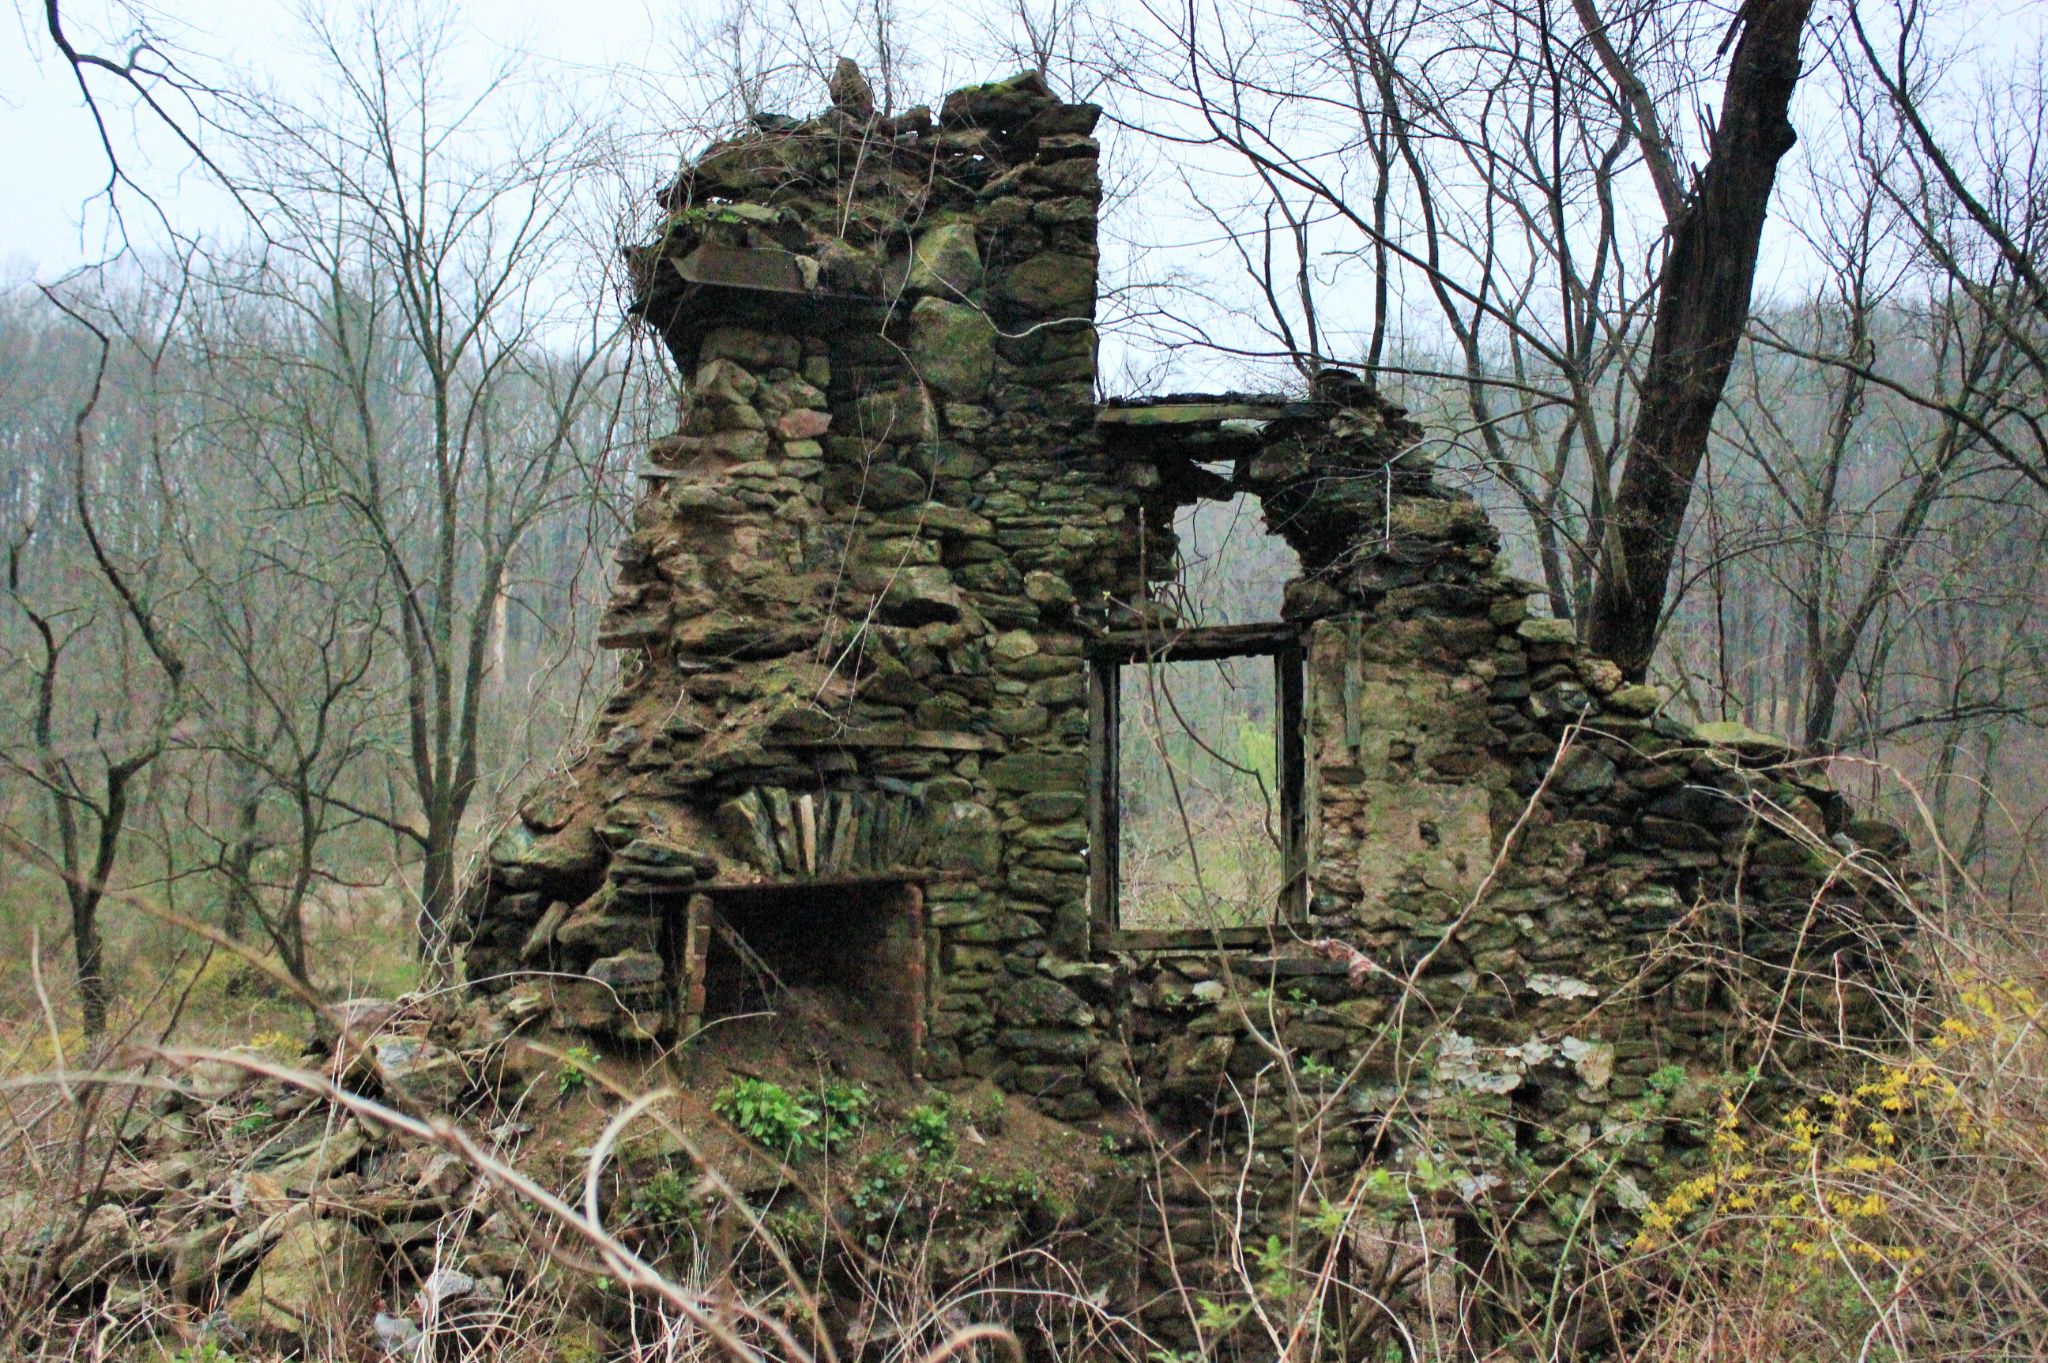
(953, 346)
(316, 1268)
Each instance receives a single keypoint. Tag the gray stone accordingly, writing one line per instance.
(427, 1076)
(953, 346)
(629, 971)
(1042, 1002)
(1034, 772)
(1053, 285)
(1585, 771)
(752, 349)
(943, 261)
(1548, 631)
(965, 837)
(319, 1272)
(897, 414)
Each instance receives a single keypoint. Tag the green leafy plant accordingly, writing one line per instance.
(767, 1114)
(842, 1111)
(794, 1225)
(1317, 1072)
(574, 1075)
(663, 1201)
(930, 1128)
(257, 1119)
(877, 1193)
(205, 1351)
(1214, 1317)
(1277, 1277)
(988, 1193)
(989, 1110)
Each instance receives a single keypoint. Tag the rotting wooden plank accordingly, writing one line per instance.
(807, 831)
(1103, 702)
(749, 958)
(1190, 413)
(1193, 645)
(885, 876)
(1191, 941)
(1294, 849)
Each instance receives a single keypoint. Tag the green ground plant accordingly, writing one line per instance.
(573, 1075)
(930, 1129)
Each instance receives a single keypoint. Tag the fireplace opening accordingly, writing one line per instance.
(852, 950)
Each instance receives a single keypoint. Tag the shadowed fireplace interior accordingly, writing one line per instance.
(855, 949)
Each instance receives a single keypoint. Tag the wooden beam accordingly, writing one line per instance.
(1191, 941)
(1104, 832)
(1194, 645)
(1192, 413)
(1288, 679)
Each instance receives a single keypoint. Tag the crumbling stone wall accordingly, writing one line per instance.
(856, 613)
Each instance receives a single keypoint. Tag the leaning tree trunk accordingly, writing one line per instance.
(437, 897)
(1702, 306)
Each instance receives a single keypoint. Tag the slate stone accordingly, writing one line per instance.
(1031, 772)
(1052, 285)
(318, 1272)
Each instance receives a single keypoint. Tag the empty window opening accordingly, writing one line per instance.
(1198, 783)
(851, 954)
(1232, 569)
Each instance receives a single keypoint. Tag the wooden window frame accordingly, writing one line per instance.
(1108, 655)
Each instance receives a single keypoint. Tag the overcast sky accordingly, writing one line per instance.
(612, 60)
(52, 164)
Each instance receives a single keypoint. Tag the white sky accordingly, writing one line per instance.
(52, 163)
(609, 57)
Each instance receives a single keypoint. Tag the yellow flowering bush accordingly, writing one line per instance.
(1838, 1219)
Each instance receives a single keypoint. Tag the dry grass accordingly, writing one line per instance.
(1896, 1210)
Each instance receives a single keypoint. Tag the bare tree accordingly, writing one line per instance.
(1715, 228)
(88, 766)
(1492, 157)
(438, 379)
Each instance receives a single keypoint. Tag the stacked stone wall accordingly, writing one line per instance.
(855, 615)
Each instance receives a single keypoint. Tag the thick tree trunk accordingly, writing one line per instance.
(437, 896)
(1702, 306)
(95, 994)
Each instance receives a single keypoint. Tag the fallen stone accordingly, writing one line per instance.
(318, 1272)
(425, 1075)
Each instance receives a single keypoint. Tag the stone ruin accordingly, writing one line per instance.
(871, 616)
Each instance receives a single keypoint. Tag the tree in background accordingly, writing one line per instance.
(88, 750)
(381, 420)
(436, 401)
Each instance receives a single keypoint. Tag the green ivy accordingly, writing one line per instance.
(767, 1114)
(842, 1112)
(931, 1130)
